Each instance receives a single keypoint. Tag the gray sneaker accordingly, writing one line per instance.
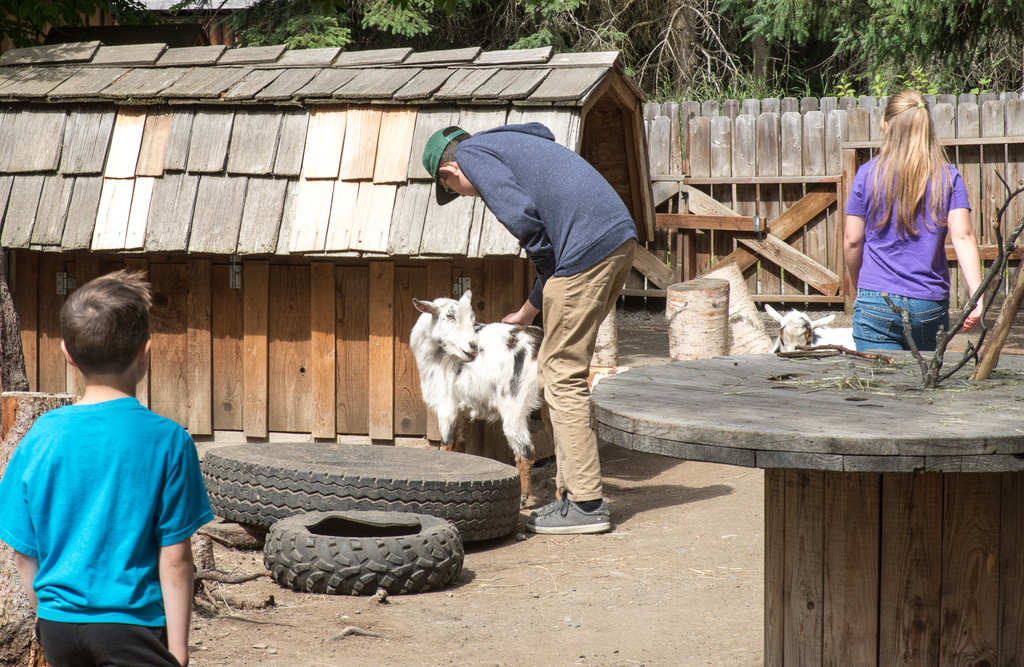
(564, 517)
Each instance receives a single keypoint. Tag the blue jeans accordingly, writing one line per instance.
(877, 327)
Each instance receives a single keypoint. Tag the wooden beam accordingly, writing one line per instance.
(323, 353)
(382, 350)
(656, 271)
(256, 358)
(735, 223)
(200, 347)
(787, 224)
(700, 203)
(797, 263)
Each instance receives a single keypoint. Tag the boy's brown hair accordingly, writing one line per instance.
(105, 322)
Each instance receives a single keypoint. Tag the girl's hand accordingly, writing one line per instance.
(973, 318)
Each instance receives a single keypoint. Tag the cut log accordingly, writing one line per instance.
(606, 352)
(698, 319)
(747, 334)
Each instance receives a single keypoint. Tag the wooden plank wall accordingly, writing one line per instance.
(316, 347)
(733, 150)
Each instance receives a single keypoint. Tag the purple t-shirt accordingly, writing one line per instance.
(910, 266)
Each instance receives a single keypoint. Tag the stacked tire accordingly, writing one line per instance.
(360, 552)
(258, 484)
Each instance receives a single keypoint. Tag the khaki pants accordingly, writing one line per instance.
(574, 307)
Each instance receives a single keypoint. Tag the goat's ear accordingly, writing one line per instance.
(774, 315)
(425, 306)
(823, 321)
(467, 296)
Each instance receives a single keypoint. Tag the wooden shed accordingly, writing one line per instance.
(277, 200)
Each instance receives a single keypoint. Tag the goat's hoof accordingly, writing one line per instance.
(524, 501)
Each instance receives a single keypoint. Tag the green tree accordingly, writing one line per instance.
(881, 41)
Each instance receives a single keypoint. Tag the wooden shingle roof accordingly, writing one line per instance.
(146, 148)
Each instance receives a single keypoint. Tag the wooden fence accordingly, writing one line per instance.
(764, 183)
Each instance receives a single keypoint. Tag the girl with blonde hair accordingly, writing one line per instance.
(901, 206)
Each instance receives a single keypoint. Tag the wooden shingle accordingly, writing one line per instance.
(341, 229)
(205, 82)
(313, 210)
(450, 56)
(30, 139)
(563, 123)
(252, 83)
(218, 214)
(138, 216)
(516, 57)
(285, 84)
(510, 84)
(374, 58)
(21, 211)
(81, 217)
(308, 58)
(446, 228)
(191, 56)
(86, 140)
(373, 211)
(375, 84)
(36, 82)
(586, 59)
(361, 136)
(5, 192)
(211, 132)
(87, 82)
(254, 141)
(325, 137)
(142, 82)
(325, 83)
(424, 84)
(568, 85)
(129, 55)
(112, 215)
(407, 218)
(49, 54)
(262, 216)
(397, 127)
(291, 143)
(170, 212)
(125, 142)
(178, 140)
(463, 84)
(155, 137)
(252, 55)
(284, 235)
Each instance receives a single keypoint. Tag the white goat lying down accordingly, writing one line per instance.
(796, 328)
(478, 371)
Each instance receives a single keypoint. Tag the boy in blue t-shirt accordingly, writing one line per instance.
(100, 498)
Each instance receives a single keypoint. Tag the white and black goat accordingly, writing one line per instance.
(796, 328)
(478, 371)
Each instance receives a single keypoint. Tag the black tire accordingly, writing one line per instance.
(258, 484)
(356, 553)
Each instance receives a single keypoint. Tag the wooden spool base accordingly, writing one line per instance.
(910, 569)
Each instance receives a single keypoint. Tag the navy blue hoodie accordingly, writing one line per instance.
(563, 212)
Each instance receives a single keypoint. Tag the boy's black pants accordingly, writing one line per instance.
(104, 645)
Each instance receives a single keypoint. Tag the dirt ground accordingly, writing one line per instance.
(678, 581)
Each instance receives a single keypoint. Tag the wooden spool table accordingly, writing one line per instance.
(894, 518)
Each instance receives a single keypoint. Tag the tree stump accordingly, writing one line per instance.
(606, 353)
(747, 334)
(698, 319)
(17, 620)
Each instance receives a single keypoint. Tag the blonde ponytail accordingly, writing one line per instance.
(911, 164)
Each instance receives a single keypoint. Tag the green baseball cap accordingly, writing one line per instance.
(436, 144)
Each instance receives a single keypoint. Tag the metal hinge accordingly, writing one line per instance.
(235, 273)
(460, 286)
(65, 283)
